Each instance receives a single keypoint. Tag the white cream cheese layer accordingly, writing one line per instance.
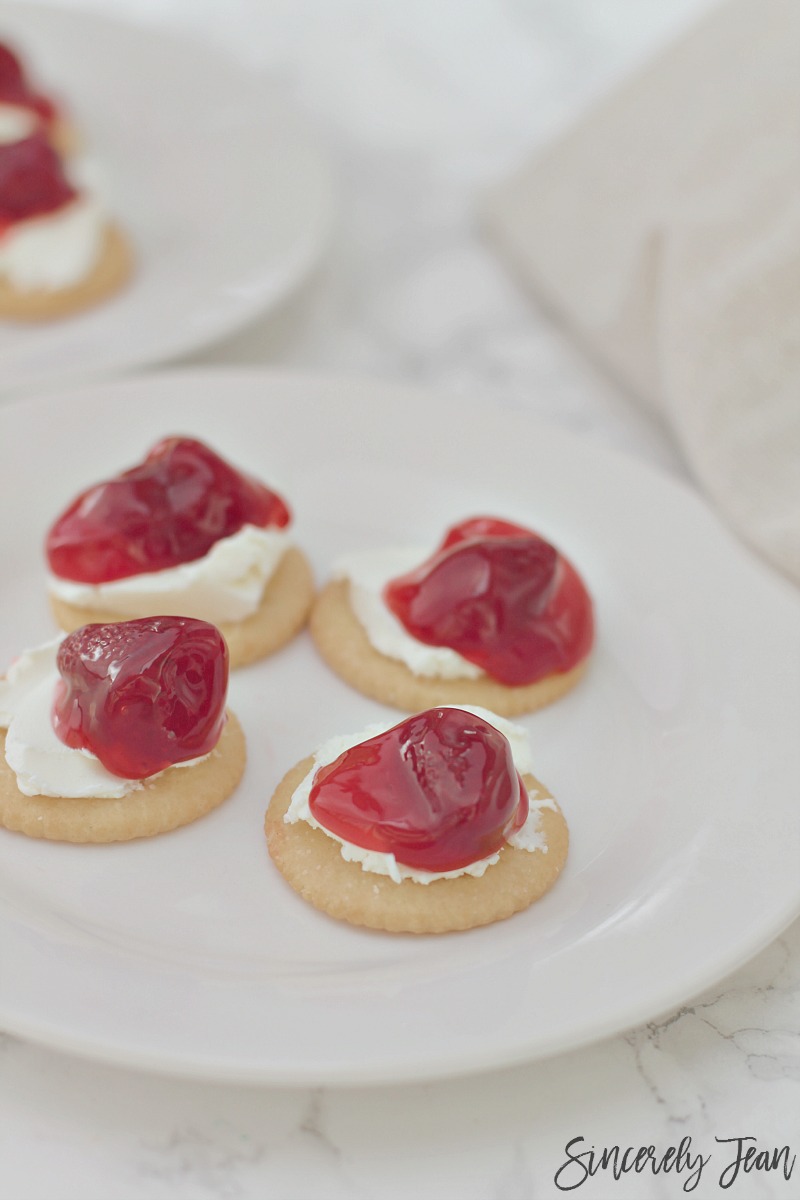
(16, 123)
(43, 765)
(529, 837)
(368, 572)
(59, 249)
(53, 251)
(227, 584)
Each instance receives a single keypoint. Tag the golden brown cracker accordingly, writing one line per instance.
(112, 269)
(174, 798)
(282, 613)
(311, 862)
(342, 642)
(64, 136)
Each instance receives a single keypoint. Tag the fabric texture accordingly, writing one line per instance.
(665, 231)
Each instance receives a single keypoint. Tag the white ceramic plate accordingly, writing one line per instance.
(217, 180)
(676, 761)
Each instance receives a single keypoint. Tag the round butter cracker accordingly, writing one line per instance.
(342, 642)
(311, 862)
(65, 138)
(113, 268)
(174, 798)
(282, 613)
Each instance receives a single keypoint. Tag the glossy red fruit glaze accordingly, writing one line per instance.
(438, 791)
(502, 597)
(15, 89)
(12, 78)
(142, 695)
(32, 181)
(170, 510)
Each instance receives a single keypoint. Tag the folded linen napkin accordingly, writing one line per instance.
(665, 230)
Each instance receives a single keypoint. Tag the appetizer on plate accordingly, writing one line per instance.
(185, 533)
(59, 251)
(496, 616)
(117, 732)
(431, 825)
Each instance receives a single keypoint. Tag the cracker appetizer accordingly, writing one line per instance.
(183, 533)
(496, 616)
(118, 732)
(432, 825)
(59, 251)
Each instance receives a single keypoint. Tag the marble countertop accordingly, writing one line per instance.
(422, 105)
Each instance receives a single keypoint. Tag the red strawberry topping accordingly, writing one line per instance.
(15, 89)
(502, 597)
(142, 695)
(32, 181)
(169, 510)
(438, 791)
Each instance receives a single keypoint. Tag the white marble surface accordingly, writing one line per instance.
(422, 104)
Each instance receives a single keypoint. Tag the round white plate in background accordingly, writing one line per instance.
(676, 759)
(215, 177)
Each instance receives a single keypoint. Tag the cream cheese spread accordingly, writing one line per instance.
(227, 584)
(16, 123)
(59, 249)
(368, 572)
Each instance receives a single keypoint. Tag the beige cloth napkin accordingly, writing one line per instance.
(665, 230)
